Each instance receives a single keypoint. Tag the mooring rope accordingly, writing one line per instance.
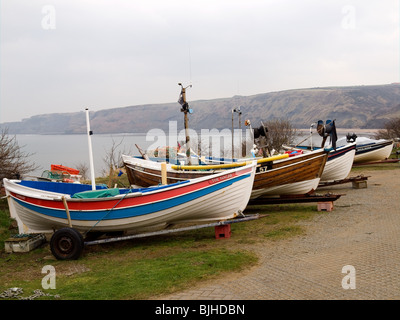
(130, 190)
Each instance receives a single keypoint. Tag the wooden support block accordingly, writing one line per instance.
(223, 232)
(359, 184)
(325, 206)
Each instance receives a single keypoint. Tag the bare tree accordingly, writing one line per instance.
(13, 161)
(279, 132)
(113, 160)
(83, 169)
(391, 130)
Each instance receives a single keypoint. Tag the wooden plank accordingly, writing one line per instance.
(296, 199)
(67, 211)
(376, 162)
(347, 180)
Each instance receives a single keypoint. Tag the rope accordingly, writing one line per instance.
(302, 141)
(15, 293)
(130, 190)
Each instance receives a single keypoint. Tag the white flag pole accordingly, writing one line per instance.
(89, 133)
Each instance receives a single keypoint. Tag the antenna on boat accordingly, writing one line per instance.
(237, 110)
(311, 127)
(89, 133)
(185, 109)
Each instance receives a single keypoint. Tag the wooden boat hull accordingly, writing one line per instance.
(211, 198)
(293, 188)
(296, 175)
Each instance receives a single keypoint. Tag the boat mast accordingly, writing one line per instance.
(89, 133)
(232, 136)
(185, 109)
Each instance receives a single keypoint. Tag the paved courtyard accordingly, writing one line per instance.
(362, 233)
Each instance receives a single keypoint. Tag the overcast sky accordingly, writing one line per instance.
(63, 56)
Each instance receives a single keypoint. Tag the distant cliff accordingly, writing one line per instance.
(352, 107)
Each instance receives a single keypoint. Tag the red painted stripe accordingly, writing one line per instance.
(342, 151)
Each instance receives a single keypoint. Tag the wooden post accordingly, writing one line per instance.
(185, 110)
(67, 210)
(240, 135)
(232, 138)
(111, 176)
(188, 153)
(163, 173)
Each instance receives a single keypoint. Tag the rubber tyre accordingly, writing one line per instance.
(66, 244)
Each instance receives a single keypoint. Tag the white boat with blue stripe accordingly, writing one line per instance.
(48, 206)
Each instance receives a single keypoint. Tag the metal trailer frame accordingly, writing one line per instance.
(168, 231)
(68, 243)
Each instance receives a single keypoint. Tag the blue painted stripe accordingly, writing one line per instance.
(339, 152)
(369, 147)
(132, 211)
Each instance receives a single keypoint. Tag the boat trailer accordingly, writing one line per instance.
(68, 243)
(219, 226)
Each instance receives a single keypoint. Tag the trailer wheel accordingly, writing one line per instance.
(66, 244)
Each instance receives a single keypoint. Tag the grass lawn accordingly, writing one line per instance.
(149, 267)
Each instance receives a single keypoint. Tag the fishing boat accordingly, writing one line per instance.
(369, 150)
(291, 176)
(60, 167)
(61, 173)
(338, 164)
(45, 206)
(340, 157)
(274, 176)
(277, 175)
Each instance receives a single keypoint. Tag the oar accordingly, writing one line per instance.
(144, 155)
(228, 165)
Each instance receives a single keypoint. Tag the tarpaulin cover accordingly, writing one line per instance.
(96, 194)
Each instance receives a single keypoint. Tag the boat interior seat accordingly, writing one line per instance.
(59, 187)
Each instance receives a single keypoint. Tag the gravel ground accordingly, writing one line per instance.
(363, 231)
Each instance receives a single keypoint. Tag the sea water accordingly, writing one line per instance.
(73, 151)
